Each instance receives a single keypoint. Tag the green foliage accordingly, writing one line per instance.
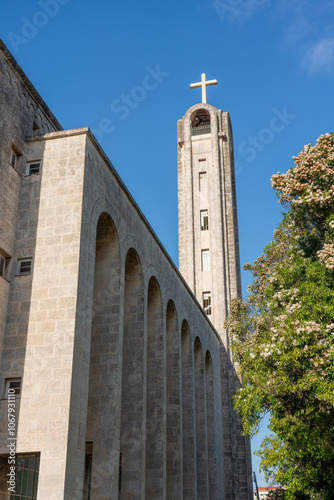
(282, 337)
(278, 494)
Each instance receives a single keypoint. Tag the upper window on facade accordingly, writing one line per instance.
(202, 182)
(204, 220)
(207, 303)
(200, 124)
(205, 260)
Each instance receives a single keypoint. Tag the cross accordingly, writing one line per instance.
(203, 83)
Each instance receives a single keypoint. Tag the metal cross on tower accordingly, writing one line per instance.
(203, 83)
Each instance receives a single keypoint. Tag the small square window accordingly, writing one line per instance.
(13, 387)
(207, 303)
(34, 168)
(24, 266)
(204, 220)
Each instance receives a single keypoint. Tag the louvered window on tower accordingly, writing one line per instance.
(205, 260)
(24, 266)
(207, 303)
(204, 220)
(34, 168)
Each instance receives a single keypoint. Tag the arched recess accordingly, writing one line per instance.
(155, 484)
(201, 441)
(211, 434)
(200, 118)
(101, 475)
(201, 122)
(174, 445)
(131, 482)
(188, 425)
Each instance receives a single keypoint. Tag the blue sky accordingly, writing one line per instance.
(274, 62)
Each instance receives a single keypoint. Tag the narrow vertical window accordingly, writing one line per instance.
(13, 159)
(2, 265)
(120, 476)
(205, 260)
(204, 220)
(207, 303)
(4, 260)
(202, 182)
(35, 129)
(88, 471)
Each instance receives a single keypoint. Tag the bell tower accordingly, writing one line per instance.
(208, 227)
(209, 255)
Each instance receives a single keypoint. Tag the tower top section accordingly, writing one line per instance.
(203, 84)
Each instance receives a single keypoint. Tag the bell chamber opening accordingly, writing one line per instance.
(200, 123)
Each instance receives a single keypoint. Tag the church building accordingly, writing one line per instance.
(116, 374)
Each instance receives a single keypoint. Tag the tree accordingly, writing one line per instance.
(275, 494)
(283, 334)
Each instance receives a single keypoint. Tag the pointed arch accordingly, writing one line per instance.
(103, 387)
(155, 484)
(188, 425)
(200, 410)
(131, 481)
(211, 433)
(174, 445)
(200, 118)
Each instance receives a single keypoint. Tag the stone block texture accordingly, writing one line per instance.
(123, 377)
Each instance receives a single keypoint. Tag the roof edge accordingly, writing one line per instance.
(15, 65)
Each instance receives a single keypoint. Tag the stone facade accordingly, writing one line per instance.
(123, 392)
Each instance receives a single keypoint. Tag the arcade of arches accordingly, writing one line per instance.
(152, 381)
